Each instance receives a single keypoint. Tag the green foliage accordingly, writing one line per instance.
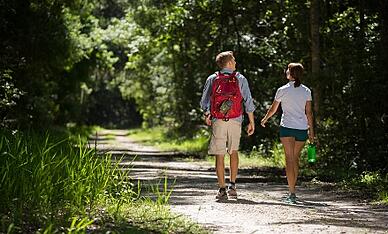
(50, 185)
(117, 63)
(8, 93)
(371, 184)
(38, 50)
(351, 128)
(57, 53)
(46, 182)
(352, 124)
(278, 154)
(79, 226)
(150, 217)
(166, 140)
(162, 194)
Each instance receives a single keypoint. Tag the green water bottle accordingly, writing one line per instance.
(311, 153)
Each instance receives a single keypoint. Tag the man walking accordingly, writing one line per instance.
(224, 95)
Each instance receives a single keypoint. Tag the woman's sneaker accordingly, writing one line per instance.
(291, 198)
(232, 193)
(221, 195)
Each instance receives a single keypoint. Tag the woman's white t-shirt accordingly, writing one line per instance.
(293, 101)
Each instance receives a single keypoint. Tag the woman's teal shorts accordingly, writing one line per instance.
(300, 135)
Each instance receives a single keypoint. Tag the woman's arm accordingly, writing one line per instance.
(271, 111)
(310, 120)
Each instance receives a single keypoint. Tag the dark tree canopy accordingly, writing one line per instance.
(118, 63)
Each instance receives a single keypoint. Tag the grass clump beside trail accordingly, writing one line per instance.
(371, 184)
(55, 184)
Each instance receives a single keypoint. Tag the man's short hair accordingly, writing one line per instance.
(223, 58)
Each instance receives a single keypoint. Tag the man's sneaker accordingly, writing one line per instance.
(221, 195)
(232, 193)
(291, 198)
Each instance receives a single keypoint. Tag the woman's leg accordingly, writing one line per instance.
(297, 149)
(289, 144)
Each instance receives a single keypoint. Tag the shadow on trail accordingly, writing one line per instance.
(238, 201)
(340, 219)
(193, 186)
(310, 204)
(202, 182)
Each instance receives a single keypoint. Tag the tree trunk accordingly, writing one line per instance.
(315, 56)
(383, 60)
(384, 36)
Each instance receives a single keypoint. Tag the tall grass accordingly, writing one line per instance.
(46, 183)
(52, 185)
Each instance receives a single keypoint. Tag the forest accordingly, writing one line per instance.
(121, 64)
(126, 64)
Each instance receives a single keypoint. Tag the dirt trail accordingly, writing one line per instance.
(259, 208)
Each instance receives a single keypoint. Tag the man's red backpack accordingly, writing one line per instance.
(226, 98)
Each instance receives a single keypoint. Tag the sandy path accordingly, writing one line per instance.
(259, 208)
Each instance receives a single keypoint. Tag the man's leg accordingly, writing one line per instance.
(232, 193)
(220, 170)
(233, 166)
(218, 148)
(234, 134)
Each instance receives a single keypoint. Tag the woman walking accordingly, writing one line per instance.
(296, 125)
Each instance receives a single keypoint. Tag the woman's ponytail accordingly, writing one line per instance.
(297, 82)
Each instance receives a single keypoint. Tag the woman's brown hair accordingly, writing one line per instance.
(296, 71)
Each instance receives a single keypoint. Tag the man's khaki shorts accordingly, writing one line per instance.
(225, 135)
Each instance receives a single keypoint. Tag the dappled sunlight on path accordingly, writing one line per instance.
(259, 208)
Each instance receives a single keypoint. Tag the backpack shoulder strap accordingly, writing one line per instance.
(221, 75)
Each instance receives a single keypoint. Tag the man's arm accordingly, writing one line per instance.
(247, 96)
(251, 125)
(248, 103)
(205, 99)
